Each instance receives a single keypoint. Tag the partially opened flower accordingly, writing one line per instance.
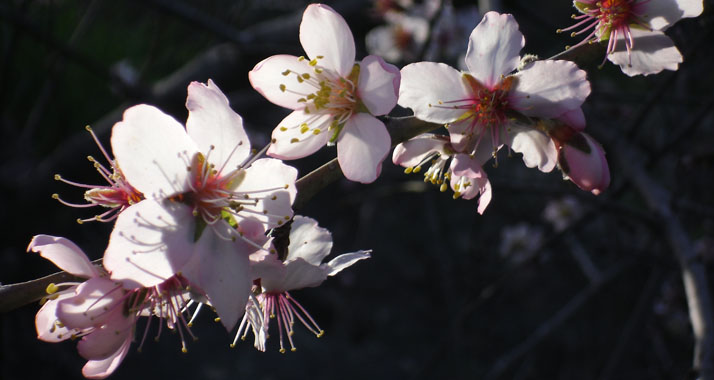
(465, 175)
(334, 99)
(489, 102)
(302, 268)
(204, 197)
(634, 31)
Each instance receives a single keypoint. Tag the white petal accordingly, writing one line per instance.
(549, 89)
(94, 302)
(290, 140)
(378, 86)
(105, 341)
(574, 118)
(65, 254)
(361, 148)
(428, 88)
(151, 242)
(272, 184)
(662, 14)
(100, 369)
(308, 241)
(652, 53)
(537, 148)
(346, 260)
(324, 33)
(153, 151)
(299, 274)
(215, 127)
(417, 149)
(267, 78)
(493, 49)
(48, 329)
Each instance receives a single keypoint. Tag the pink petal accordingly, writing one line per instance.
(486, 195)
(430, 89)
(652, 53)
(272, 184)
(65, 254)
(574, 119)
(346, 260)
(267, 78)
(96, 300)
(151, 242)
(152, 150)
(100, 369)
(48, 329)
(461, 133)
(465, 166)
(549, 88)
(417, 149)
(493, 49)
(378, 86)
(537, 148)
(308, 241)
(291, 141)
(362, 147)
(105, 341)
(324, 33)
(215, 127)
(588, 170)
(269, 268)
(223, 273)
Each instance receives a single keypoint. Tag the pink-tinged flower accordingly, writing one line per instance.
(401, 39)
(101, 311)
(333, 98)
(204, 198)
(302, 268)
(561, 213)
(520, 242)
(465, 175)
(634, 30)
(488, 101)
(116, 196)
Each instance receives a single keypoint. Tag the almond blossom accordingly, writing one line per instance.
(488, 101)
(634, 31)
(334, 99)
(205, 196)
(465, 175)
(301, 268)
(99, 310)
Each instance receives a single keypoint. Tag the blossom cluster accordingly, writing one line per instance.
(201, 218)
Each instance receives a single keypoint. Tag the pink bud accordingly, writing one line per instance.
(582, 159)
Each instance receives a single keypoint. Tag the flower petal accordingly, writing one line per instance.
(65, 254)
(588, 170)
(271, 184)
(152, 150)
(105, 341)
(428, 88)
(346, 260)
(95, 301)
(494, 48)
(537, 148)
(549, 89)
(652, 53)
(361, 148)
(267, 77)
(378, 86)
(414, 151)
(215, 127)
(100, 369)
(295, 135)
(46, 321)
(151, 242)
(308, 241)
(299, 274)
(662, 14)
(574, 118)
(324, 33)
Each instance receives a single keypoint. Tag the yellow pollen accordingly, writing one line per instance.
(408, 170)
(282, 87)
(304, 128)
(283, 129)
(51, 288)
(315, 131)
(294, 140)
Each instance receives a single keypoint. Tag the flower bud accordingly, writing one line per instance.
(583, 161)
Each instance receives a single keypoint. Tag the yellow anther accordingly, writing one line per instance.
(58, 177)
(232, 345)
(55, 196)
(293, 349)
(282, 87)
(321, 333)
(408, 170)
(217, 319)
(283, 129)
(313, 62)
(88, 128)
(301, 58)
(52, 288)
(304, 128)
(80, 221)
(286, 72)
(282, 350)
(184, 350)
(320, 57)
(300, 80)
(443, 187)
(305, 76)
(417, 169)
(294, 140)
(456, 194)
(316, 131)
(559, 30)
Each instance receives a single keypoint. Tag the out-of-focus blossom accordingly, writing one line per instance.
(302, 268)
(634, 30)
(561, 213)
(464, 174)
(400, 40)
(205, 200)
(116, 196)
(451, 29)
(334, 99)
(484, 102)
(520, 242)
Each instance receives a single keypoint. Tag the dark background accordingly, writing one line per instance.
(437, 300)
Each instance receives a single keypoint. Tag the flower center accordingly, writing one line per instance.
(333, 95)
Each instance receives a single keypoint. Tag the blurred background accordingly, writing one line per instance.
(550, 283)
